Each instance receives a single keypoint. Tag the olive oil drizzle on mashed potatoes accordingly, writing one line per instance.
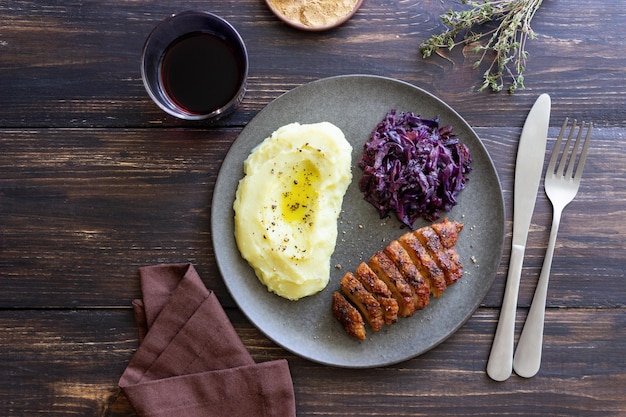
(287, 206)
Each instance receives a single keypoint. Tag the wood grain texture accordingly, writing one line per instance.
(82, 209)
(95, 181)
(77, 65)
(86, 351)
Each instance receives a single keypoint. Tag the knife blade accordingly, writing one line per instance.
(528, 168)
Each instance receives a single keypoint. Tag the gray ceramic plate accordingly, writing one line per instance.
(356, 103)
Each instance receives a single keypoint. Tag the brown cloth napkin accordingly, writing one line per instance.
(190, 361)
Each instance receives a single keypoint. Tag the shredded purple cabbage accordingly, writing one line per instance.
(413, 167)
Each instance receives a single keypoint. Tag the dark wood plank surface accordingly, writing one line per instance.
(95, 182)
(80, 62)
(84, 359)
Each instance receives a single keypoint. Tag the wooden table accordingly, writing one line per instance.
(96, 181)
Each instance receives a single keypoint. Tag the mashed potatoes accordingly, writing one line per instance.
(287, 205)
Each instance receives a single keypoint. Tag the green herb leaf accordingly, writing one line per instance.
(507, 41)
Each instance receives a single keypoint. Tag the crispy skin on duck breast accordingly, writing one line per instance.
(399, 280)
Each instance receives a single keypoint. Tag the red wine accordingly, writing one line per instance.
(201, 72)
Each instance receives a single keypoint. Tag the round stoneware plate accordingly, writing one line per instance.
(356, 103)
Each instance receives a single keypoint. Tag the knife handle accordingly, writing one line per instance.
(500, 364)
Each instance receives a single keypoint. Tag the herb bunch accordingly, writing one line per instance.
(507, 40)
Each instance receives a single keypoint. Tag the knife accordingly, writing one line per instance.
(528, 169)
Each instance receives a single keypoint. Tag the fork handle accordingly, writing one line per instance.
(528, 353)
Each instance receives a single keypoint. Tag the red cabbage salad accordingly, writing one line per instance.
(413, 167)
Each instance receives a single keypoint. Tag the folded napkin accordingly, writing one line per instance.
(190, 361)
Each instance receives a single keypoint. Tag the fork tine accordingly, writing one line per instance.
(557, 148)
(572, 158)
(583, 155)
(566, 156)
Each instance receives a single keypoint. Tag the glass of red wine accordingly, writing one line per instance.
(195, 65)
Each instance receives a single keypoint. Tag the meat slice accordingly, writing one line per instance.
(455, 261)
(399, 279)
(401, 290)
(364, 300)
(348, 316)
(381, 291)
(410, 272)
(448, 232)
(428, 267)
(447, 259)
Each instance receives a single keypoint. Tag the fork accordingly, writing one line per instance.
(561, 187)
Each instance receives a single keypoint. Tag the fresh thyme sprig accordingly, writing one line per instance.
(507, 40)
